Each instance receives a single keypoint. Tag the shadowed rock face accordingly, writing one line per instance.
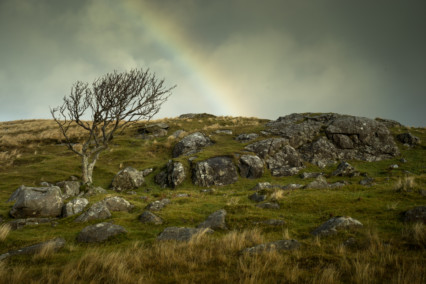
(172, 176)
(99, 232)
(214, 171)
(250, 166)
(215, 221)
(37, 202)
(191, 144)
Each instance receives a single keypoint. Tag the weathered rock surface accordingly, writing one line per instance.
(291, 186)
(336, 223)
(417, 214)
(246, 137)
(319, 183)
(191, 144)
(250, 166)
(69, 188)
(345, 169)
(181, 233)
(99, 232)
(117, 203)
(278, 155)
(268, 205)
(264, 185)
(21, 223)
(282, 245)
(52, 245)
(94, 190)
(321, 152)
(215, 221)
(75, 206)
(97, 211)
(150, 218)
(172, 176)
(126, 179)
(408, 138)
(214, 171)
(37, 202)
(257, 197)
(158, 204)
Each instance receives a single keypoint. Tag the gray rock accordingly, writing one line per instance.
(292, 186)
(417, 214)
(285, 171)
(345, 169)
(154, 130)
(389, 123)
(75, 206)
(367, 181)
(191, 144)
(282, 245)
(150, 218)
(247, 137)
(336, 223)
(197, 115)
(321, 152)
(45, 184)
(99, 232)
(97, 211)
(117, 203)
(94, 190)
(146, 172)
(393, 166)
(172, 176)
(408, 138)
(37, 202)
(224, 131)
(338, 184)
(268, 205)
(214, 171)
(319, 183)
(264, 185)
(126, 179)
(21, 223)
(256, 197)
(306, 175)
(250, 166)
(215, 221)
(69, 188)
(53, 245)
(158, 204)
(181, 233)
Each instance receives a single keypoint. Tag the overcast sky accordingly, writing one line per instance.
(227, 57)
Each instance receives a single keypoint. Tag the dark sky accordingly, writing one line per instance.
(228, 57)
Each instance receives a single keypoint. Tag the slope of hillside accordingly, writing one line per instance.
(385, 248)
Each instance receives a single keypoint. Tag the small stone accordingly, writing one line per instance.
(319, 183)
(393, 166)
(256, 197)
(99, 232)
(181, 233)
(97, 211)
(367, 181)
(117, 203)
(336, 223)
(224, 131)
(158, 204)
(247, 137)
(150, 218)
(215, 221)
(181, 195)
(306, 175)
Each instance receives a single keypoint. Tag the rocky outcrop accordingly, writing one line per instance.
(408, 138)
(150, 218)
(172, 176)
(214, 171)
(336, 223)
(126, 179)
(117, 203)
(278, 155)
(322, 152)
(97, 211)
(215, 221)
(37, 202)
(75, 206)
(282, 245)
(250, 166)
(417, 214)
(191, 144)
(99, 232)
(51, 246)
(181, 233)
(69, 188)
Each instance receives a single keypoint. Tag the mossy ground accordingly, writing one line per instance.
(378, 207)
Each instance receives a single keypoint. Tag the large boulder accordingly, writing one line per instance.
(69, 188)
(181, 233)
(116, 203)
(336, 223)
(51, 245)
(250, 166)
(278, 155)
(126, 179)
(75, 206)
(191, 144)
(282, 245)
(172, 176)
(37, 202)
(97, 211)
(215, 221)
(99, 232)
(214, 171)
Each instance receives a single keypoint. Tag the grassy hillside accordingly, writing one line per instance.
(385, 249)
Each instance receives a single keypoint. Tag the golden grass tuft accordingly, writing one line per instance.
(405, 184)
(4, 231)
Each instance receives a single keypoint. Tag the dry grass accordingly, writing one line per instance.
(278, 194)
(405, 184)
(4, 231)
(8, 157)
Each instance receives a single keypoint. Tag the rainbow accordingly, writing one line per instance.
(212, 86)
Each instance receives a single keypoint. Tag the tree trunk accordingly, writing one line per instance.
(87, 170)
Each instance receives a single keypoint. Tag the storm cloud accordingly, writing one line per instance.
(237, 57)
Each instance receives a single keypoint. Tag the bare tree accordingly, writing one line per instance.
(114, 101)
